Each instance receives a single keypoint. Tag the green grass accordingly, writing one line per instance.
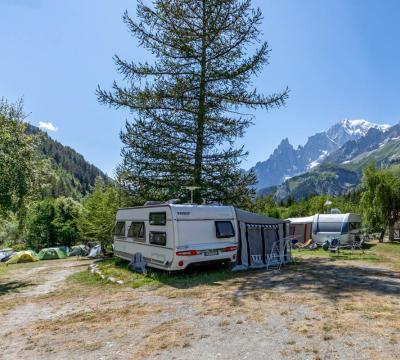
(3, 268)
(87, 278)
(119, 269)
(387, 253)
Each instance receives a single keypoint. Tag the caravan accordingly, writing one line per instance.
(173, 237)
(344, 227)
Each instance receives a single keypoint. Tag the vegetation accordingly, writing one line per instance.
(53, 222)
(45, 189)
(309, 206)
(16, 159)
(97, 218)
(386, 253)
(72, 174)
(119, 269)
(189, 102)
(380, 200)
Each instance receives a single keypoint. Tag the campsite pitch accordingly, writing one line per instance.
(323, 307)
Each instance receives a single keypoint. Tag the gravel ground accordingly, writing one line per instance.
(299, 312)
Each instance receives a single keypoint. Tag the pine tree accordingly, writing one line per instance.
(189, 102)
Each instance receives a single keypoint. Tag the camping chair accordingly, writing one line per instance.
(274, 257)
(358, 243)
(335, 245)
(302, 246)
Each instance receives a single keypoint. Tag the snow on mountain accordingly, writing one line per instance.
(361, 127)
(347, 130)
(286, 162)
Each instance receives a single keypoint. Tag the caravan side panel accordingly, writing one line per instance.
(157, 244)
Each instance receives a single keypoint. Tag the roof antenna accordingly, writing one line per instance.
(191, 189)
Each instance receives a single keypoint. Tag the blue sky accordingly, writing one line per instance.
(340, 59)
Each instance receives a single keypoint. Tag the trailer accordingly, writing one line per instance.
(174, 236)
(344, 227)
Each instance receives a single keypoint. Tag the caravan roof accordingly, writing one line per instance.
(338, 218)
(184, 211)
(302, 220)
(251, 218)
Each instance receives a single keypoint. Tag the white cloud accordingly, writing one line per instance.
(47, 126)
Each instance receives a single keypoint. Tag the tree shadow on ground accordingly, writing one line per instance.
(13, 286)
(326, 277)
(323, 277)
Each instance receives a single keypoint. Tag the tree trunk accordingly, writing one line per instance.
(198, 158)
(382, 234)
(391, 232)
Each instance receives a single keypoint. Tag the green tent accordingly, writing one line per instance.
(79, 250)
(51, 253)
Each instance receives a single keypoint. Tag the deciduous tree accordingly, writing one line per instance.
(380, 199)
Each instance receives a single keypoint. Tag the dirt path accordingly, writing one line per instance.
(319, 310)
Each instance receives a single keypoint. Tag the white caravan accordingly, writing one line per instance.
(172, 236)
(344, 227)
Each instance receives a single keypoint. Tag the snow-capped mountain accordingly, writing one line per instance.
(286, 161)
(347, 130)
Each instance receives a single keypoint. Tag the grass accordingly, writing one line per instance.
(379, 253)
(343, 255)
(387, 253)
(119, 269)
(86, 278)
(6, 268)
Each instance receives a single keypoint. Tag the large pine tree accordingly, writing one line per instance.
(188, 103)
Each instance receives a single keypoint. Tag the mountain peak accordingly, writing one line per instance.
(286, 162)
(285, 143)
(357, 127)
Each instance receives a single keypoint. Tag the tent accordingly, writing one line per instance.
(5, 254)
(95, 251)
(65, 249)
(51, 253)
(263, 241)
(79, 250)
(22, 257)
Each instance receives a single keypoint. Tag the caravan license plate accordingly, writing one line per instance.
(211, 252)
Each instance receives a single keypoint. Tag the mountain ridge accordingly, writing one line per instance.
(286, 161)
(70, 173)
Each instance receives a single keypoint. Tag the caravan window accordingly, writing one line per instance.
(224, 229)
(158, 218)
(158, 238)
(119, 228)
(136, 231)
(354, 226)
(330, 227)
